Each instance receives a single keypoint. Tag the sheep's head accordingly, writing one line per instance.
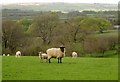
(40, 53)
(62, 48)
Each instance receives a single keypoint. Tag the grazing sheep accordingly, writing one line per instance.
(8, 54)
(43, 56)
(3, 54)
(18, 54)
(74, 55)
(58, 53)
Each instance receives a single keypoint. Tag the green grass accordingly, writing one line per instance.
(107, 54)
(0, 68)
(108, 33)
(30, 68)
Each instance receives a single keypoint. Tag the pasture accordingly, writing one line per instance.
(0, 67)
(81, 68)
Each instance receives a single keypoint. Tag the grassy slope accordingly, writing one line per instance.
(108, 33)
(0, 68)
(73, 69)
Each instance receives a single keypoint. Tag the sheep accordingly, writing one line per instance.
(18, 54)
(43, 55)
(58, 53)
(74, 54)
(3, 54)
(8, 54)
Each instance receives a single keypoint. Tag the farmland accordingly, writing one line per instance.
(0, 68)
(32, 29)
(81, 68)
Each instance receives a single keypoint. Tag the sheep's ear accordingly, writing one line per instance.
(62, 46)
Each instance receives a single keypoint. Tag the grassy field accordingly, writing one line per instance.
(30, 68)
(0, 68)
(107, 33)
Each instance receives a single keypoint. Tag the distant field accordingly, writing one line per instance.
(108, 33)
(30, 68)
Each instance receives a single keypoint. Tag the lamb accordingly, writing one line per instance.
(3, 54)
(74, 54)
(43, 55)
(58, 53)
(8, 54)
(18, 54)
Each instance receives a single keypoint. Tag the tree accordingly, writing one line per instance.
(94, 24)
(12, 35)
(103, 24)
(43, 26)
(74, 26)
(25, 22)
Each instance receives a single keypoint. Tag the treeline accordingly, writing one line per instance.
(47, 30)
(15, 14)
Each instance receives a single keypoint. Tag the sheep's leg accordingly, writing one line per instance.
(45, 60)
(60, 60)
(49, 57)
(41, 60)
(49, 60)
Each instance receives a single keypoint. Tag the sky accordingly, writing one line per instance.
(68, 1)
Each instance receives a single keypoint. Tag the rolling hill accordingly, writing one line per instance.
(61, 6)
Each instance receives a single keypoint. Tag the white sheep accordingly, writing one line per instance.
(18, 54)
(8, 54)
(3, 54)
(58, 53)
(74, 54)
(43, 55)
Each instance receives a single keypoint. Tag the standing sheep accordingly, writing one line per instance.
(18, 54)
(43, 55)
(58, 53)
(74, 54)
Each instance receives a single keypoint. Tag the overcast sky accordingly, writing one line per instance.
(68, 1)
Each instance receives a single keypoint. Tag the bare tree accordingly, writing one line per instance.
(12, 35)
(43, 26)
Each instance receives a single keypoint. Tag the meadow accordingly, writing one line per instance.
(91, 34)
(0, 68)
(81, 68)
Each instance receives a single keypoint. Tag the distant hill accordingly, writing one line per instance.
(61, 6)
